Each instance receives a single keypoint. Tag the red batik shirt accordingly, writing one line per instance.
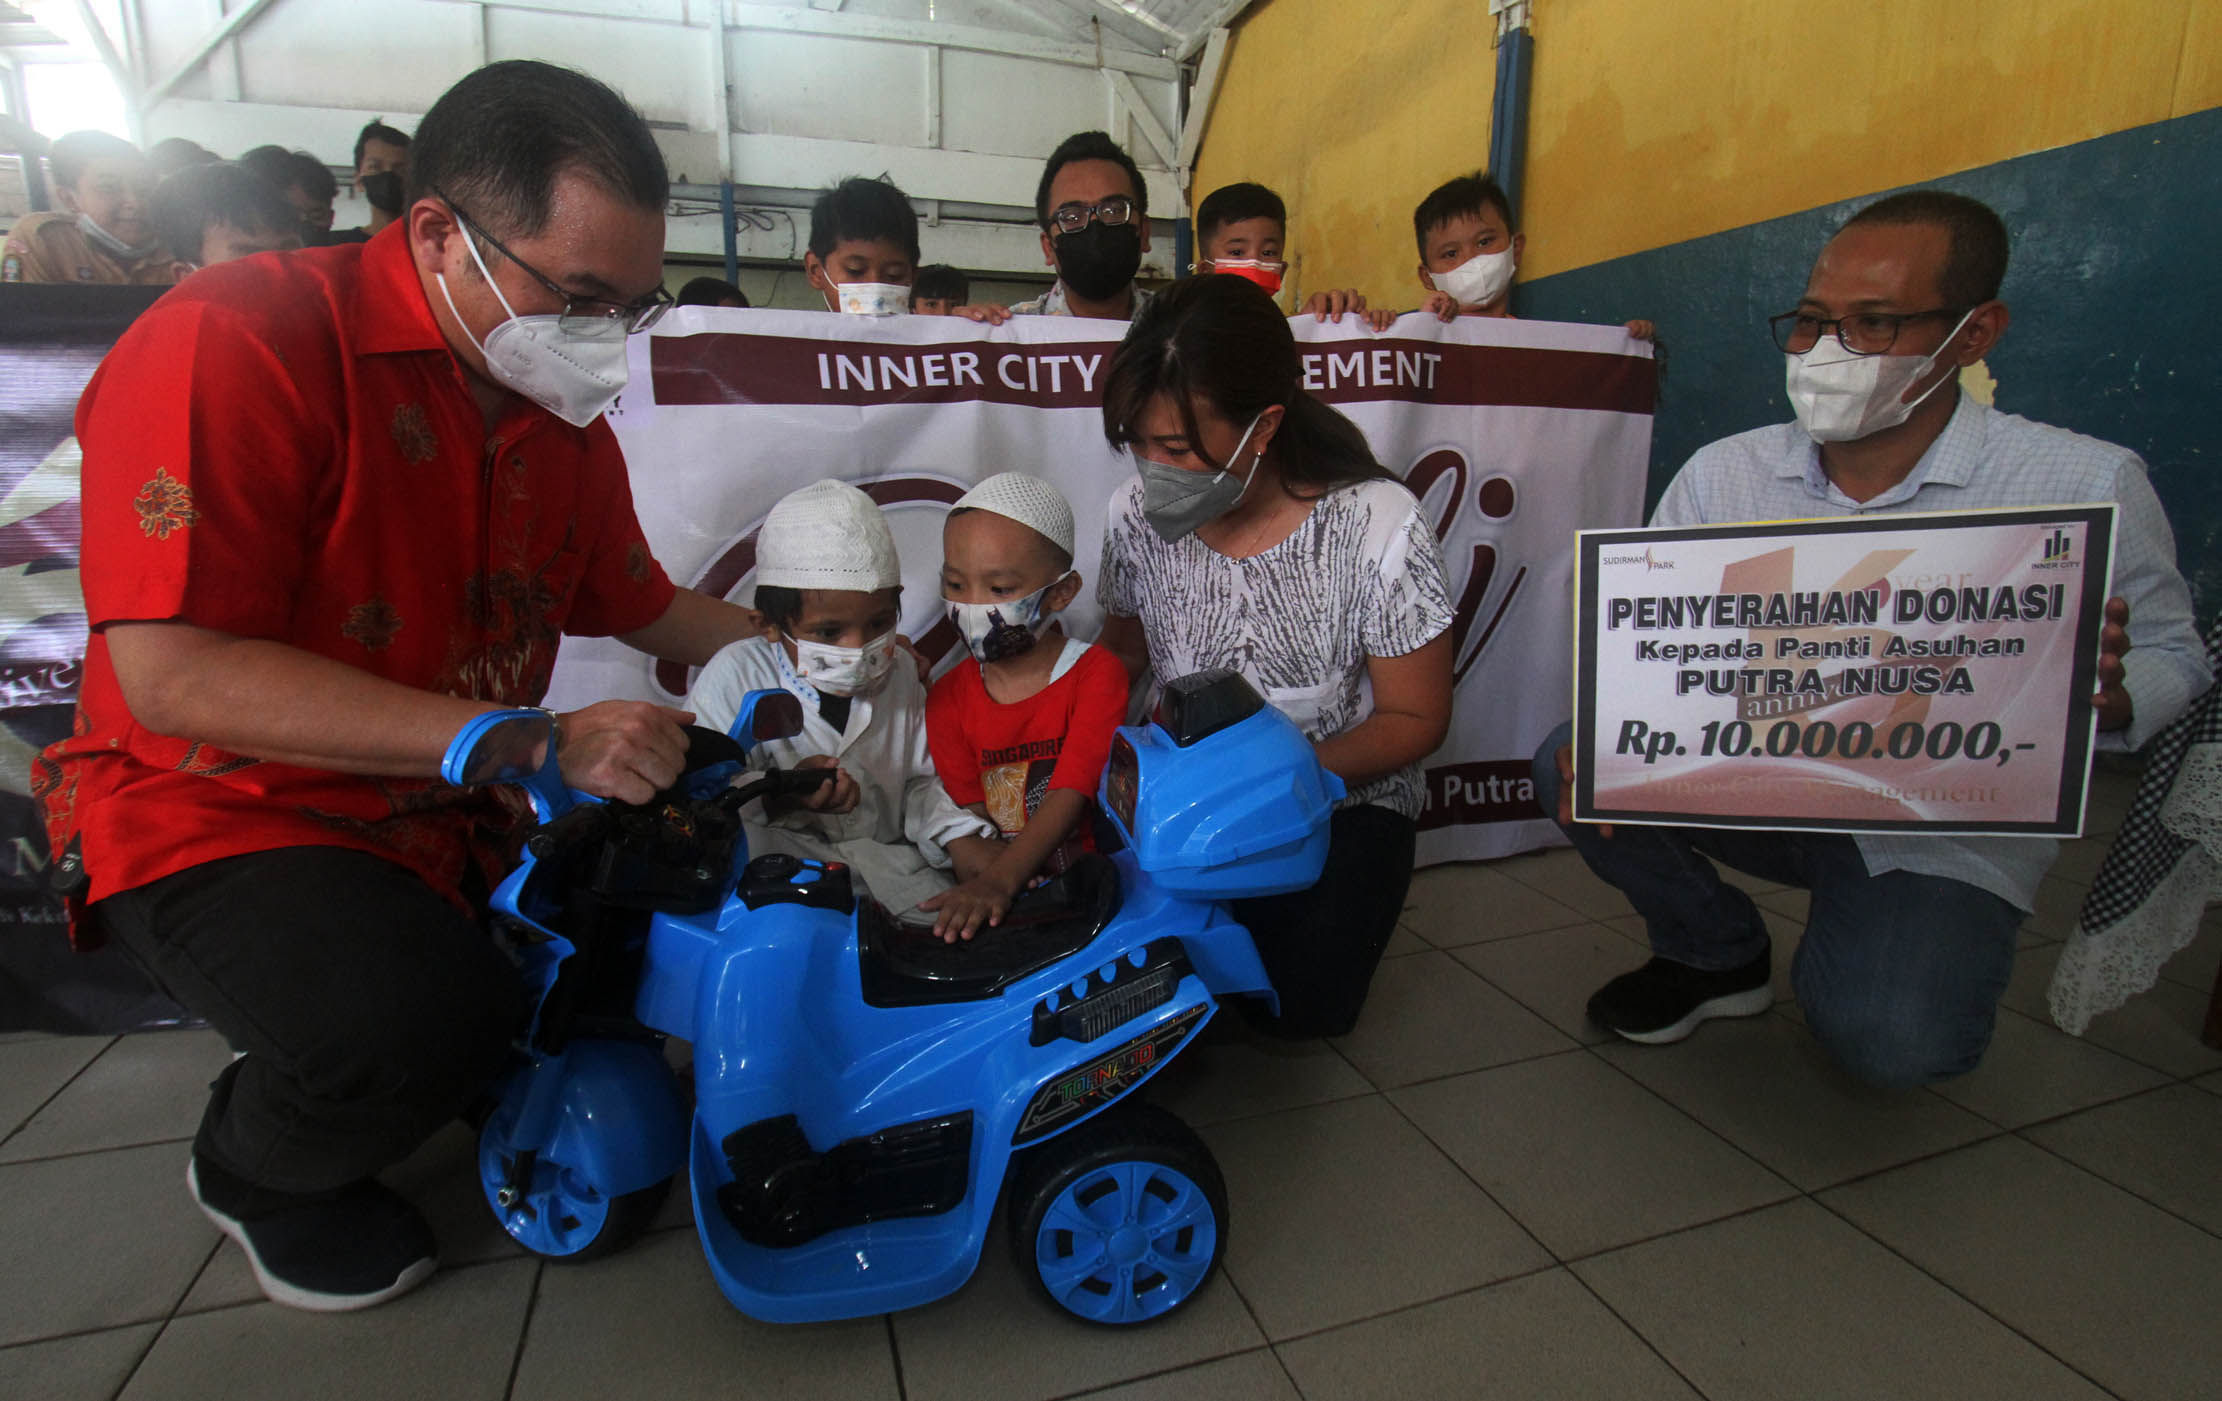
(284, 448)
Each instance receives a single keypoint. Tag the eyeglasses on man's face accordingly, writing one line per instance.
(582, 315)
(1072, 218)
(1865, 333)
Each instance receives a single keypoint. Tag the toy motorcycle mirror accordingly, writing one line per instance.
(501, 746)
(767, 715)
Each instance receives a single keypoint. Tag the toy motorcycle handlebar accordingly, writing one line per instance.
(589, 823)
(775, 783)
(581, 827)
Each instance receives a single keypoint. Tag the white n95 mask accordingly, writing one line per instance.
(1479, 280)
(573, 377)
(1840, 397)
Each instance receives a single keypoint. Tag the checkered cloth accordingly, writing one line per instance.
(2163, 868)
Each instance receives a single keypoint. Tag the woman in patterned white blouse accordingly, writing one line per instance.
(1260, 534)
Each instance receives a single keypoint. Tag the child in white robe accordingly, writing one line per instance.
(829, 586)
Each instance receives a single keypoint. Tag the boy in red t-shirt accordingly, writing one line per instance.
(1021, 729)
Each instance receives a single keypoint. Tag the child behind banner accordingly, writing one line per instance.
(1020, 729)
(1470, 249)
(863, 250)
(1241, 231)
(829, 587)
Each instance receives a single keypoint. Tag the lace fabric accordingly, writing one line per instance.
(2163, 868)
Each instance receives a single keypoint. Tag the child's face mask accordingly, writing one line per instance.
(872, 298)
(1479, 280)
(845, 671)
(997, 632)
(1266, 272)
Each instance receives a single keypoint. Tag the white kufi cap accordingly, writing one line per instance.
(828, 535)
(1028, 500)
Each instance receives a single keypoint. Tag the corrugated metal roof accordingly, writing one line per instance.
(1175, 28)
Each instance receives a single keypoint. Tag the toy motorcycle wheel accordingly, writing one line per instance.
(1122, 1219)
(551, 1208)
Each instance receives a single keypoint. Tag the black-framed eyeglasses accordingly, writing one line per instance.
(1866, 333)
(1072, 218)
(582, 315)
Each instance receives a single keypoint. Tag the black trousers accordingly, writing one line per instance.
(370, 1009)
(1321, 945)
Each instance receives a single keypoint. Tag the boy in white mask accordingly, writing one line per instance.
(863, 252)
(1022, 727)
(1469, 251)
(829, 586)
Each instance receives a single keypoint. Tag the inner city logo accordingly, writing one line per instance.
(2057, 551)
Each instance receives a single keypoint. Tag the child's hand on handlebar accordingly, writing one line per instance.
(961, 910)
(627, 750)
(838, 796)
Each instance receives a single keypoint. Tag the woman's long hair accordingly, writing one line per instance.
(1222, 340)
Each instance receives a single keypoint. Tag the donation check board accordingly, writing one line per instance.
(1861, 674)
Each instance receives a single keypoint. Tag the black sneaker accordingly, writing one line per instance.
(328, 1252)
(1664, 1001)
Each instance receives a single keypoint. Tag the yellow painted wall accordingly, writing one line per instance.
(1352, 110)
(1654, 121)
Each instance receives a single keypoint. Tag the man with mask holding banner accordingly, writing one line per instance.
(1910, 937)
(335, 505)
(1094, 211)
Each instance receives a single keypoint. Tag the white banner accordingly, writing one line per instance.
(1513, 434)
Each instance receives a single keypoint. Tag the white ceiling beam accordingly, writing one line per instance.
(1030, 12)
(1200, 98)
(651, 11)
(950, 36)
(231, 24)
(1153, 131)
(104, 48)
(1220, 19)
(1142, 30)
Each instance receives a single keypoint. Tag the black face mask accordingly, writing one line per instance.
(383, 190)
(1099, 260)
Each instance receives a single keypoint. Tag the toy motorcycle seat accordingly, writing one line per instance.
(905, 965)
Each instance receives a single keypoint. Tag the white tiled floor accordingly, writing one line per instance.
(1473, 1195)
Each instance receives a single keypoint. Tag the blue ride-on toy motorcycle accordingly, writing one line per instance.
(863, 1092)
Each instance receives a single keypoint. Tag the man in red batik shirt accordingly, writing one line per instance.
(337, 502)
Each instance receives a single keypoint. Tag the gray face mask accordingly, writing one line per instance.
(1176, 502)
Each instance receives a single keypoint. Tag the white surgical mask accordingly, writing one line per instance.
(1840, 397)
(101, 238)
(845, 671)
(573, 377)
(997, 632)
(1479, 280)
(872, 298)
